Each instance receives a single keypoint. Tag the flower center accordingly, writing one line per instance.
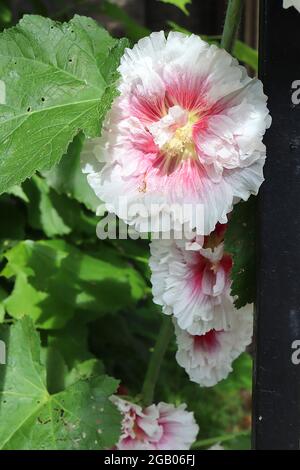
(181, 145)
(173, 134)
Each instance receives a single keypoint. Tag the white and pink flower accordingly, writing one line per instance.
(157, 427)
(192, 285)
(292, 3)
(208, 358)
(186, 129)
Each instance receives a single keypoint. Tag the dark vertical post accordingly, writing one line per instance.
(276, 416)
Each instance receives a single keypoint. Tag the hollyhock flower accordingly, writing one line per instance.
(157, 427)
(208, 358)
(183, 141)
(292, 3)
(192, 285)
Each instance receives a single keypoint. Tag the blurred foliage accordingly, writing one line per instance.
(90, 300)
(181, 4)
(244, 53)
(133, 30)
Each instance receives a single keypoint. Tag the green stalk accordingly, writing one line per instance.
(232, 23)
(220, 439)
(156, 359)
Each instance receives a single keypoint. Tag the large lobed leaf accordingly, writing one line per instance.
(53, 280)
(59, 79)
(80, 417)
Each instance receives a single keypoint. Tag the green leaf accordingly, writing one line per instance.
(5, 15)
(56, 369)
(80, 417)
(53, 279)
(55, 214)
(181, 4)
(67, 356)
(67, 177)
(71, 342)
(240, 242)
(42, 213)
(246, 54)
(18, 192)
(85, 370)
(59, 80)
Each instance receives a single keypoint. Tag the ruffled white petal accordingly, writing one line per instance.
(191, 285)
(157, 427)
(183, 141)
(207, 365)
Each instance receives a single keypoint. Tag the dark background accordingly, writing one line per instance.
(206, 16)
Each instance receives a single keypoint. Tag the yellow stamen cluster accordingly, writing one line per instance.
(181, 145)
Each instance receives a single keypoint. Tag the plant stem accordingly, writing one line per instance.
(156, 359)
(215, 440)
(232, 23)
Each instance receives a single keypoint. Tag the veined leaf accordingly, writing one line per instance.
(53, 279)
(59, 79)
(80, 417)
(55, 214)
(42, 213)
(67, 176)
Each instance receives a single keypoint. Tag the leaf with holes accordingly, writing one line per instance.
(59, 79)
(79, 417)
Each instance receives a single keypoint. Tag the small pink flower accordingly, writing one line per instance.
(157, 427)
(208, 358)
(193, 285)
(186, 129)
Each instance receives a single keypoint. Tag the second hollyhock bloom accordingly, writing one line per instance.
(208, 358)
(183, 141)
(193, 285)
(156, 427)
